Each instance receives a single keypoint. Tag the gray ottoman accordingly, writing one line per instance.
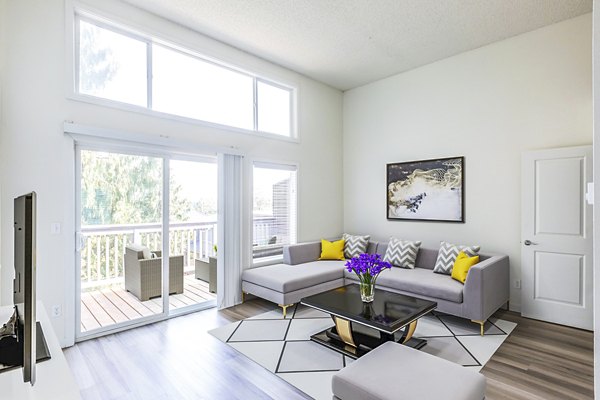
(398, 372)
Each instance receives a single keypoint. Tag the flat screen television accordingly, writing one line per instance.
(22, 341)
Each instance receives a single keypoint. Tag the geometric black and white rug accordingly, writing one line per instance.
(283, 346)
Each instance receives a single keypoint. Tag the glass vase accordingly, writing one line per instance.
(367, 292)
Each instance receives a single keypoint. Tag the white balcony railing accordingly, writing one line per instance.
(102, 254)
(104, 247)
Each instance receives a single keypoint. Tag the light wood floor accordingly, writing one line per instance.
(105, 307)
(178, 359)
(541, 361)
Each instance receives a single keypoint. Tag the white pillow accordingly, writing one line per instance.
(147, 253)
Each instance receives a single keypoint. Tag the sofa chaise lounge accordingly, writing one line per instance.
(302, 274)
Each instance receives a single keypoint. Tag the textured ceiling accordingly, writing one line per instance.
(348, 43)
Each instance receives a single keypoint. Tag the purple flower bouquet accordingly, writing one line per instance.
(367, 267)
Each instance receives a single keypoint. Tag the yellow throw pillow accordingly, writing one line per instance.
(332, 250)
(462, 265)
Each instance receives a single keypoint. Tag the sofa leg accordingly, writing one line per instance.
(481, 324)
(243, 296)
(284, 307)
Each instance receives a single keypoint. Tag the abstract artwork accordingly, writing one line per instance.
(428, 190)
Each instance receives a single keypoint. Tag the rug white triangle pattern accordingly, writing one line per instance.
(283, 346)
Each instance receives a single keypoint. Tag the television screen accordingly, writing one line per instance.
(22, 341)
(25, 274)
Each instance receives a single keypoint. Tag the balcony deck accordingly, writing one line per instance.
(105, 307)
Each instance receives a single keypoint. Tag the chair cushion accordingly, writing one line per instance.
(420, 281)
(146, 254)
(285, 278)
(404, 373)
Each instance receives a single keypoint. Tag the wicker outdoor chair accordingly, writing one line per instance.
(143, 275)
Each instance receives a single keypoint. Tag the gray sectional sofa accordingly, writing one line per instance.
(302, 274)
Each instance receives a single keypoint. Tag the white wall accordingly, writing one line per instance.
(596, 81)
(2, 58)
(532, 91)
(36, 155)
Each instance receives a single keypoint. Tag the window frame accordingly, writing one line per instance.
(267, 163)
(79, 15)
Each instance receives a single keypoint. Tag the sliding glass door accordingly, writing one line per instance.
(193, 231)
(122, 204)
(121, 238)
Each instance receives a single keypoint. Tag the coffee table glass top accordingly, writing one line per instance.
(389, 312)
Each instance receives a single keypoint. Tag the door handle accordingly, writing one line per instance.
(79, 241)
(529, 243)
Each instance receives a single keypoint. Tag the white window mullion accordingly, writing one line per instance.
(165, 235)
(149, 73)
(255, 96)
(77, 61)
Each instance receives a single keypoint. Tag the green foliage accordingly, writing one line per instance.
(96, 64)
(125, 189)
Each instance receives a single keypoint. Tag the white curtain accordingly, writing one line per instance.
(229, 228)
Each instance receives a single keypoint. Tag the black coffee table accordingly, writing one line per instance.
(360, 327)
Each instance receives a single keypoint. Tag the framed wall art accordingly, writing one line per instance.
(426, 190)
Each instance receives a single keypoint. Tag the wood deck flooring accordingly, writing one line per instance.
(178, 359)
(111, 305)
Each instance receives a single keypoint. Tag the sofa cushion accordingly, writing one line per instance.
(419, 281)
(402, 253)
(355, 245)
(462, 265)
(447, 256)
(301, 253)
(288, 278)
(425, 257)
(332, 250)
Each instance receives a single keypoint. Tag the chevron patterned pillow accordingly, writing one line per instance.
(355, 245)
(447, 256)
(402, 253)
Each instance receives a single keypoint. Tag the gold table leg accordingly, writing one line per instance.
(344, 330)
(411, 331)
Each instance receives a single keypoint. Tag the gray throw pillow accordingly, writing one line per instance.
(402, 253)
(447, 256)
(355, 245)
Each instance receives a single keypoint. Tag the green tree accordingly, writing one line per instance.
(125, 189)
(96, 62)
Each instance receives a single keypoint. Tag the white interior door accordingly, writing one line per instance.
(556, 236)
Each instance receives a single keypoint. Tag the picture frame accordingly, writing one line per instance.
(426, 190)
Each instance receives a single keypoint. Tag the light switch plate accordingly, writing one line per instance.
(55, 228)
